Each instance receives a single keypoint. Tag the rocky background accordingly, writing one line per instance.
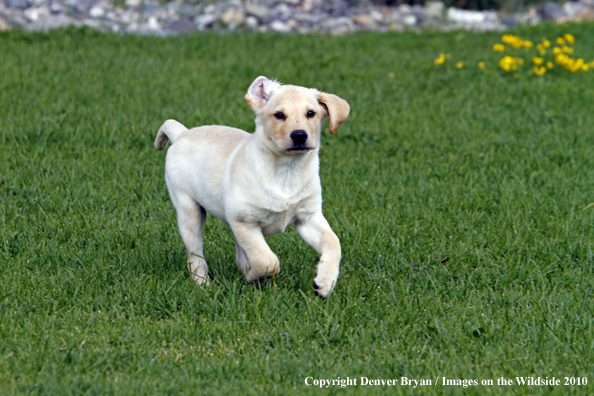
(153, 17)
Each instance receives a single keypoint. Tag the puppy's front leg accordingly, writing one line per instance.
(261, 261)
(316, 232)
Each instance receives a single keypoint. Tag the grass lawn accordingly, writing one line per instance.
(492, 171)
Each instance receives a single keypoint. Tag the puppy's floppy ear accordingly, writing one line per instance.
(338, 109)
(260, 91)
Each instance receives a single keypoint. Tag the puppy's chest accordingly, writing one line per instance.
(278, 214)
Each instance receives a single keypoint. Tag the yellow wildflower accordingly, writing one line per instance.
(541, 49)
(512, 40)
(539, 71)
(557, 51)
(560, 41)
(550, 65)
(528, 44)
(567, 50)
(578, 65)
(546, 43)
(585, 67)
(569, 38)
(498, 48)
(440, 60)
(537, 61)
(562, 59)
(508, 63)
(459, 65)
(481, 65)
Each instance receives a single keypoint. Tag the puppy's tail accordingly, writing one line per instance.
(171, 130)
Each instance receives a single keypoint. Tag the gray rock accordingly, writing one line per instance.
(511, 20)
(434, 9)
(210, 9)
(404, 9)
(491, 16)
(573, 8)
(306, 6)
(93, 24)
(33, 14)
(282, 12)
(258, 11)
(394, 17)
(233, 17)
(303, 29)
(48, 22)
(148, 8)
(56, 8)
(465, 17)
(205, 21)
(418, 11)
(308, 18)
(182, 26)
(531, 17)
(19, 4)
(152, 23)
(551, 10)
(96, 12)
(279, 27)
(410, 20)
(377, 15)
(338, 26)
(251, 22)
(341, 30)
(187, 10)
(127, 17)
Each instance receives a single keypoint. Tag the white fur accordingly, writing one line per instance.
(258, 184)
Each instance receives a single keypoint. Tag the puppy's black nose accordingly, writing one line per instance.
(299, 137)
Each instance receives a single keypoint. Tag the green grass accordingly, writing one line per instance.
(494, 172)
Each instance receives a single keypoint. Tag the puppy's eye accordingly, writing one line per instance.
(279, 116)
(311, 114)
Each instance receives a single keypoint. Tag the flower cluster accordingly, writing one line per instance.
(510, 63)
(561, 54)
(541, 57)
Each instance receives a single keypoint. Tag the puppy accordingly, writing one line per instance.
(257, 183)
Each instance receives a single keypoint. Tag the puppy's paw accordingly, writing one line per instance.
(259, 283)
(263, 269)
(323, 287)
(201, 280)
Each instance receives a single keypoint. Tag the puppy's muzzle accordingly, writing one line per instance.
(299, 138)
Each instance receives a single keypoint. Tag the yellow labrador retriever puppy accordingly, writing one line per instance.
(257, 183)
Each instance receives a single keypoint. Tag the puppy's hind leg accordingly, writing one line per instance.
(190, 218)
(240, 258)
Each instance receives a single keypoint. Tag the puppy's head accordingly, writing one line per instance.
(289, 118)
